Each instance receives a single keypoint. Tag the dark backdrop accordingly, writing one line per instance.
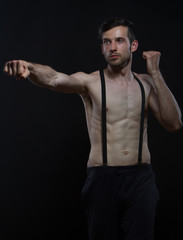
(44, 141)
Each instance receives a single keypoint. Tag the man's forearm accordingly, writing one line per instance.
(45, 76)
(169, 110)
(41, 75)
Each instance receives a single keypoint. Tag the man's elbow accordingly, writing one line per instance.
(175, 127)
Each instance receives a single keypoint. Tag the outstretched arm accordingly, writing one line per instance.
(45, 76)
(162, 101)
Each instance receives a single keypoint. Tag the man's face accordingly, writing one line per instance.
(116, 47)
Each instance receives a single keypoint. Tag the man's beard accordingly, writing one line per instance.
(120, 62)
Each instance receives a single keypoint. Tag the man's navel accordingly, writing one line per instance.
(125, 152)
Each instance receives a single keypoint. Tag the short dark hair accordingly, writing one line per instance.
(115, 22)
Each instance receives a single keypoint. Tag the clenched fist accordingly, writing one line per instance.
(17, 68)
(152, 60)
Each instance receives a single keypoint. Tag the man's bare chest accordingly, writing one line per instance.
(122, 100)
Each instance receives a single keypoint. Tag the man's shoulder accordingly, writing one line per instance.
(144, 78)
(89, 80)
(147, 82)
(86, 76)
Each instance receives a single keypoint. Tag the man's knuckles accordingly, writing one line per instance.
(151, 54)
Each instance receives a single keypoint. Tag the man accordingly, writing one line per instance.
(120, 194)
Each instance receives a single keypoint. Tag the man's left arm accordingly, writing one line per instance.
(162, 101)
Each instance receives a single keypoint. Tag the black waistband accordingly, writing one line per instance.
(118, 170)
(104, 130)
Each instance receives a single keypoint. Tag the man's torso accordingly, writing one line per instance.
(123, 114)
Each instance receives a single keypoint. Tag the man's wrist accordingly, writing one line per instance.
(156, 73)
(30, 66)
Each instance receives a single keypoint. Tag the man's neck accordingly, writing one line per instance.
(123, 74)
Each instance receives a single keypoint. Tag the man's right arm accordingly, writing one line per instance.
(45, 76)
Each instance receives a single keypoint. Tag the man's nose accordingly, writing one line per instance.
(113, 46)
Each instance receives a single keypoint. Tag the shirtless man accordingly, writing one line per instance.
(120, 196)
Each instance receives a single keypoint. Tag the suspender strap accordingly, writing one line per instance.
(104, 132)
(142, 120)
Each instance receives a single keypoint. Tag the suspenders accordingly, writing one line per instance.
(141, 120)
(104, 134)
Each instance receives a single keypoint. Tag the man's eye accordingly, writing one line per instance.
(120, 40)
(106, 42)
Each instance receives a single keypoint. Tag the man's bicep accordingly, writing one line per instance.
(69, 83)
(154, 105)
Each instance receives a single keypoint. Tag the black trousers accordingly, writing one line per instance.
(120, 202)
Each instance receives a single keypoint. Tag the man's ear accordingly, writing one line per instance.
(134, 46)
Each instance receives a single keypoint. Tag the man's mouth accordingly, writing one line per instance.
(113, 56)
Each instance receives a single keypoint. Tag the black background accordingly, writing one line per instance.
(44, 141)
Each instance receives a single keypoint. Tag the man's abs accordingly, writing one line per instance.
(122, 147)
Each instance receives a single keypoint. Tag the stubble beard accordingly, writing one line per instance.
(121, 62)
